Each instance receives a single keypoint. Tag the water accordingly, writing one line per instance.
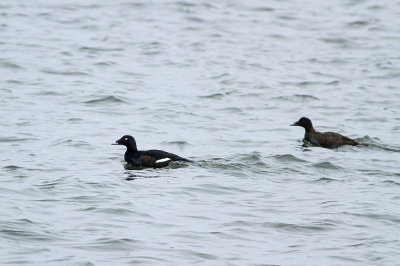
(219, 83)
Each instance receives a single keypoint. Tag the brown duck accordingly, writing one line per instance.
(323, 139)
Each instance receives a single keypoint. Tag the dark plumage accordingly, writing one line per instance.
(326, 139)
(150, 158)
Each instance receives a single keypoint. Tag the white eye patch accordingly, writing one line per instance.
(126, 138)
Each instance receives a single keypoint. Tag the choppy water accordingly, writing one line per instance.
(218, 82)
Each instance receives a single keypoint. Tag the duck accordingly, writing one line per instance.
(323, 139)
(146, 159)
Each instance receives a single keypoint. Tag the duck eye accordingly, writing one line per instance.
(126, 138)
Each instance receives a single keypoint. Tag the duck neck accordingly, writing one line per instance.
(131, 146)
(309, 129)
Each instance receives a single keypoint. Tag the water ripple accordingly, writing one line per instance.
(106, 99)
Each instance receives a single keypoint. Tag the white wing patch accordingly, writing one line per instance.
(163, 160)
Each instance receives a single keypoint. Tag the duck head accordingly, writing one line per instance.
(306, 123)
(127, 141)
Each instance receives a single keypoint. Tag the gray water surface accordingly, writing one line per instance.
(218, 82)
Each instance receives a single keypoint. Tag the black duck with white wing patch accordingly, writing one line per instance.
(150, 158)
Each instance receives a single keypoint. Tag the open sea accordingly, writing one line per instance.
(218, 82)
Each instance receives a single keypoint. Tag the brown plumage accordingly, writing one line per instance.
(326, 139)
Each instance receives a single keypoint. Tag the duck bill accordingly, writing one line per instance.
(295, 124)
(115, 143)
